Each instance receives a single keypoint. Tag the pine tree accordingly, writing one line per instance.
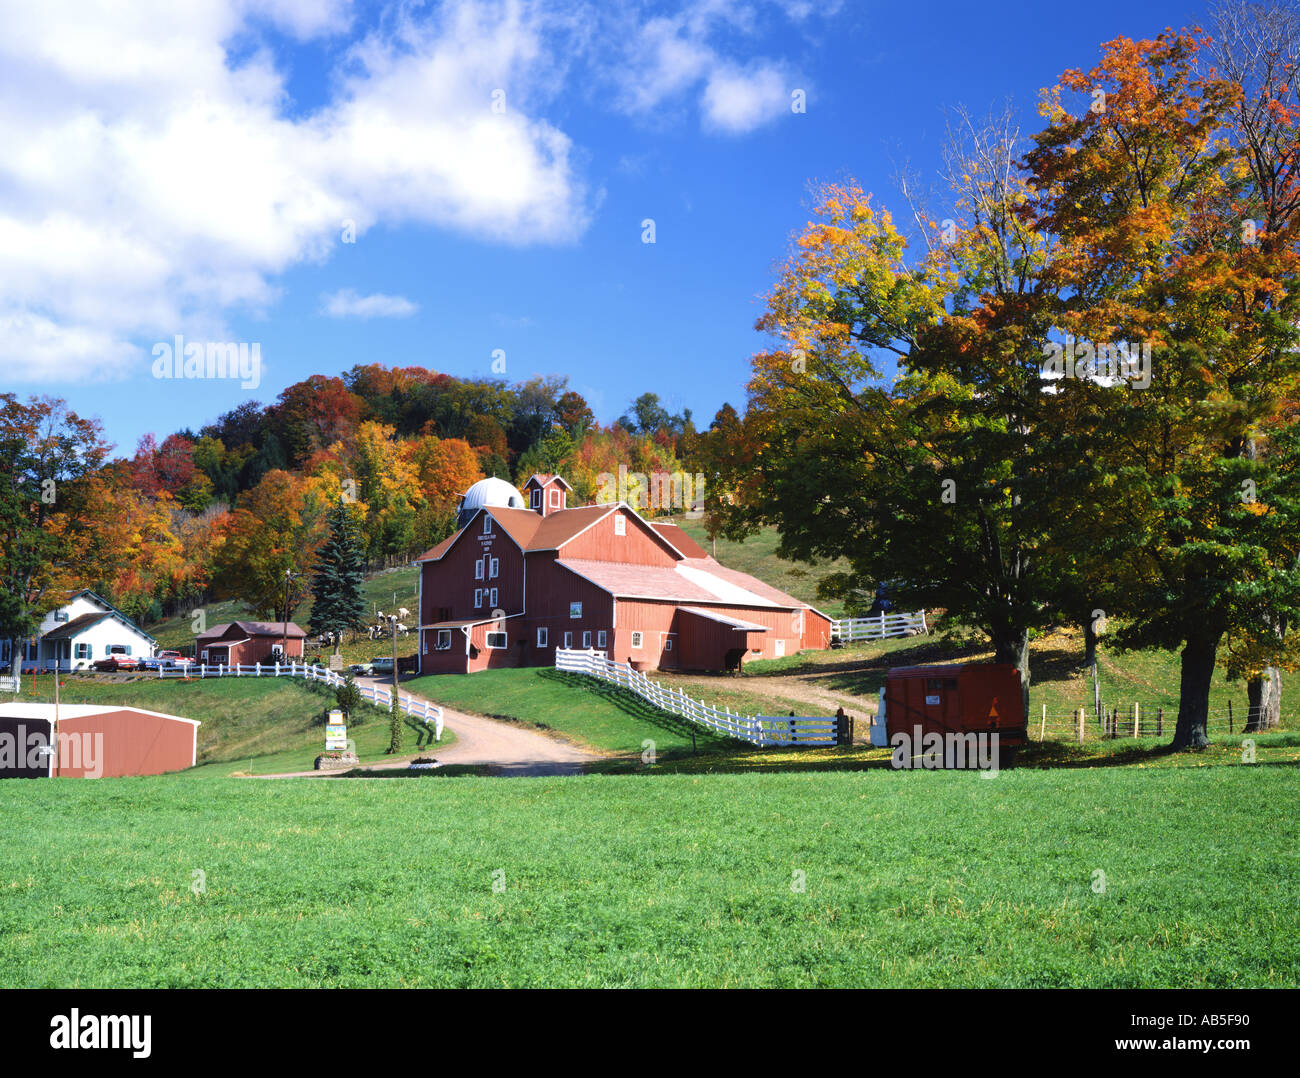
(337, 604)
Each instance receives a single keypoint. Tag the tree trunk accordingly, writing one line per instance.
(1011, 645)
(1194, 689)
(1264, 701)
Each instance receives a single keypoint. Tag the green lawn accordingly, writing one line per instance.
(1105, 877)
(270, 724)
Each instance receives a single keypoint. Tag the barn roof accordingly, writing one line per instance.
(253, 628)
(735, 623)
(81, 711)
(680, 539)
(678, 583)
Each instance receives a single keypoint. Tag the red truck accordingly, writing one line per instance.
(972, 713)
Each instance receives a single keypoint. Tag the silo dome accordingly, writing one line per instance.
(492, 492)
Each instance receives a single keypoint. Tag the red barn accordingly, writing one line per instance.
(243, 643)
(524, 574)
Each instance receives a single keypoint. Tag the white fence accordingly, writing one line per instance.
(756, 729)
(377, 695)
(879, 628)
(8, 684)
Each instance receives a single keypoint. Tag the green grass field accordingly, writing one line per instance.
(266, 724)
(1101, 877)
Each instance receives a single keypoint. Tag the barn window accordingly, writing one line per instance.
(668, 643)
(492, 597)
(496, 640)
(620, 525)
(586, 638)
(444, 640)
(568, 640)
(600, 639)
(478, 598)
(555, 499)
(541, 637)
(494, 568)
(636, 641)
(537, 498)
(487, 523)
(478, 568)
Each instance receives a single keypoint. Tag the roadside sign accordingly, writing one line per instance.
(336, 736)
(336, 662)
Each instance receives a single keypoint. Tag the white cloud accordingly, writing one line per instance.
(150, 188)
(671, 57)
(345, 303)
(737, 101)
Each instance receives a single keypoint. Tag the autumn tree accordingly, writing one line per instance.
(1148, 191)
(274, 530)
(47, 454)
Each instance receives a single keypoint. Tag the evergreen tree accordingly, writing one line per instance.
(337, 604)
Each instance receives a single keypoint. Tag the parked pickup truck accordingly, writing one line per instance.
(166, 660)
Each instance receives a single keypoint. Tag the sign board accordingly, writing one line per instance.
(336, 662)
(931, 701)
(336, 736)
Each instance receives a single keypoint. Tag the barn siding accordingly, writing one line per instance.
(447, 586)
(639, 546)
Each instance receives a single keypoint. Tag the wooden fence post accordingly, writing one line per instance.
(1042, 727)
(1079, 723)
(1229, 716)
(1160, 721)
(1137, 718)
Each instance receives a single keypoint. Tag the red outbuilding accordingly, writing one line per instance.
(94, 741)
(243, 643)
(973, 698)
(525, 574)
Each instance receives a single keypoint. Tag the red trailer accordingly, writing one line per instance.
(957, 700)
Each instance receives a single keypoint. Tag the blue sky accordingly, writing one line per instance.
(190, 172)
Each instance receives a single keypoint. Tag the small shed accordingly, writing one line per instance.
(94, 741)
(970, 698)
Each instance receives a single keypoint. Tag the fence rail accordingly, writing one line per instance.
(378, 695)
(8, 684)
(879, 628)
(1131, 720)
(762, 730)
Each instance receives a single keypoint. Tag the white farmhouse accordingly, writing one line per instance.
(85, 628)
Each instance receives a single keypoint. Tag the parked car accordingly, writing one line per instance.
(165, 660)
(381, 666)
(113, 664)
(361, 669)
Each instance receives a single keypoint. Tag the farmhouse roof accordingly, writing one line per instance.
(676, 583)
(547, 477)
(76, 626)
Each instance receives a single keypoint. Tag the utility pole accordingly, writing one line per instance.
(289, 574)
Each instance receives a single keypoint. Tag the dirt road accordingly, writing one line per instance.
(509, 750)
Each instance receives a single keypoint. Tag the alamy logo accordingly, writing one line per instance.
(211, 359)
(31, 750)
(947, 750)
(1121, 361)
(77, 1030)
